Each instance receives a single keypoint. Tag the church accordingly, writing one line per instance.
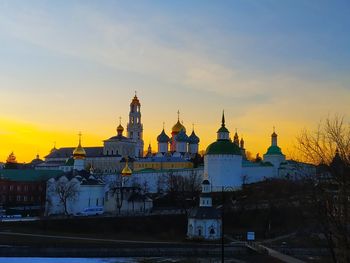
(106, 158)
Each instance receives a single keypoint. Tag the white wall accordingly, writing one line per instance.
(205, 226)
(223, 170)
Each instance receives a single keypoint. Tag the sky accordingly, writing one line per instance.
(71, 66)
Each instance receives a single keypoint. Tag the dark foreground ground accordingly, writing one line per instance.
(158, 236)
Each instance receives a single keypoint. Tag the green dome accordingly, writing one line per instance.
(274, 150)
(223, 147)
(223, 129)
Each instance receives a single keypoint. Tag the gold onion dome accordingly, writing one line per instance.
(178, 126)
(126, 170)
(79, 152)
(120, 129)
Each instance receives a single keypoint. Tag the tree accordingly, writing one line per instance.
(329, 148)
(66, 190)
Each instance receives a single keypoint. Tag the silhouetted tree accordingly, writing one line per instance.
(329, 147)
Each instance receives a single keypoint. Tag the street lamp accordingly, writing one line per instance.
(223, 190)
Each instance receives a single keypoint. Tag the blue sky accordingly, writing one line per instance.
(67, 66)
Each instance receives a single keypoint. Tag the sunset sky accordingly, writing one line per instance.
(70, 66)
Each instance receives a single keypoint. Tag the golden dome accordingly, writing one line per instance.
(120, 129)
(126, 170)
(79, 152)
(178, 127)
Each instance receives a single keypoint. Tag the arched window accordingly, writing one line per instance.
(200, 231)
(212, 231)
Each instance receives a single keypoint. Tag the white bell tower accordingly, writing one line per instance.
(135, 127)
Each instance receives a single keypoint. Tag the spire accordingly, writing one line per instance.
(178, 115)
(223, 119)
(242, 143)
(79, 134)
(274, 137)
(223, 133)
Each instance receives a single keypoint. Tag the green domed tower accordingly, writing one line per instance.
(223, 161)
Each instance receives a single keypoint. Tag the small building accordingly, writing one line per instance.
(23, 191)
(204, 222)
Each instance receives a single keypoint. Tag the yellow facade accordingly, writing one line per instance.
(161, 165)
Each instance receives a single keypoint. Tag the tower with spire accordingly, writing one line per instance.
(274, 153)
(135, 126)
(223, 160)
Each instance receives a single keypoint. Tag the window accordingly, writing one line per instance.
(18, 198)
(26, 188)
(18, 188)
(97, 202)
(25, 198)
(89, 202)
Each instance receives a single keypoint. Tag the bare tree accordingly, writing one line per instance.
(66, 190)
(329, 147)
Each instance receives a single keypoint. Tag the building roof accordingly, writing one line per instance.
(67, 152)
(223, 147)
(274, 150)
(29, 175)
(203, 212)
(120, 137)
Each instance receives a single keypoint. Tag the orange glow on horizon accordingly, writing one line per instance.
(26, 140)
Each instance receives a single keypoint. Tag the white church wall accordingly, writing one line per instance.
(209, 229)
(223, 170)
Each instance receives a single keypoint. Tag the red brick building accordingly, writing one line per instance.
(23, 191)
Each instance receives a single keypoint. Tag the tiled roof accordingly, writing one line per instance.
(66, 152)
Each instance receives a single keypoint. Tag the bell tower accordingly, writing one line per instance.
(135, 127)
